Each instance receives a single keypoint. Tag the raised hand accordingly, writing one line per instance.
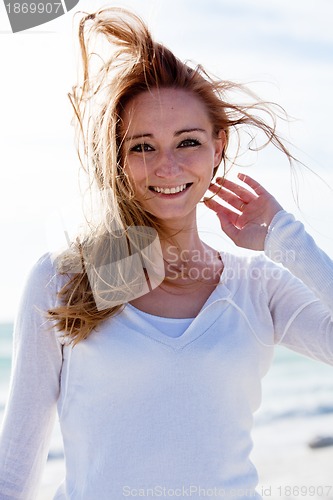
(256, 208)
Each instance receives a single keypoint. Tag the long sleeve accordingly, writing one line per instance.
(34, 388)
(301, 300)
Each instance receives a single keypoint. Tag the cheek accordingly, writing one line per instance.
(137, 177)
(202, 163)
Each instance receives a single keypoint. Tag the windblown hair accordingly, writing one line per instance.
(120, 60)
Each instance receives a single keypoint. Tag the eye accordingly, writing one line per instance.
(141, 148)
(189, 143)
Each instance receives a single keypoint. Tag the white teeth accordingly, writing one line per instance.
(172, 190)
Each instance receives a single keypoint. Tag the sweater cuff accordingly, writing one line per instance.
(282, 227)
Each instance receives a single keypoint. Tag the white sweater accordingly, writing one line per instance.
(143, 412)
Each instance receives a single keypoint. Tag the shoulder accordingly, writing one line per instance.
(55, 268)
(43, 271)
(253, 275)
(250, 266)
(44, 280)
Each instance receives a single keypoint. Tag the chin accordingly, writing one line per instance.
(173, 219)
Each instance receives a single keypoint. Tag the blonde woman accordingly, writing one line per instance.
(151, 344)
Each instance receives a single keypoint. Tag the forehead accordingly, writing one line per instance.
(165, 108)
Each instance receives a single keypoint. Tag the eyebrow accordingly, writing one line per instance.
(189, 130)
(138, 136)
(176, 134)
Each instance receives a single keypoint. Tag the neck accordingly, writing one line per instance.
(184, 252)
(184, 248)
(180, 235)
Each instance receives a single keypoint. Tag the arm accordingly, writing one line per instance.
(288, 243)
(300, 303)
(262, 224)
(303, 315)
(34, 389)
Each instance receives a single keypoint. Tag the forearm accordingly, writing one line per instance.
(288, 243)
(34, 390)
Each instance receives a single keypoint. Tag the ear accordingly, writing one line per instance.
(220, 143)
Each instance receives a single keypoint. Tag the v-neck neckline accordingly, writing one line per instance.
(199, 325)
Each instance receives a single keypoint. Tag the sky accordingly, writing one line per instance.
(283, 49)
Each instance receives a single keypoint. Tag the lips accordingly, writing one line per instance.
(169, 189)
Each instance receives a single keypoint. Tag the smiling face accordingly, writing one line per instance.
(170, 152)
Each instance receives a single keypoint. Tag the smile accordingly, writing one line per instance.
(170, 190)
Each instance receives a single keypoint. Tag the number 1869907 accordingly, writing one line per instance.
(33, 8)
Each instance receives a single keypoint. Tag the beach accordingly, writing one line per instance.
(288, 468)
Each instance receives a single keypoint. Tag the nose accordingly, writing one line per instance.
(167, 165)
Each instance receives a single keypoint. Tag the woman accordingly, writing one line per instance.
(156, 369)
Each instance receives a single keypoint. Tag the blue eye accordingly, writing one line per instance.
(189, 143)
(141, 148)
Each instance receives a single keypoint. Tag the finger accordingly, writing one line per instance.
(231, 198)
(222, 212)
(227, 218)
(244, 193)
(257, 188)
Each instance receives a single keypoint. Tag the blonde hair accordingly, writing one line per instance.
(133, 63)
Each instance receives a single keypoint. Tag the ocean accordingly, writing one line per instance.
(296, 389)
(6, 330)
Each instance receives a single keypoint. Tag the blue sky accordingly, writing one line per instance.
(285, 47)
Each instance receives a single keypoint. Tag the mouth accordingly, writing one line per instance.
(170, 191)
